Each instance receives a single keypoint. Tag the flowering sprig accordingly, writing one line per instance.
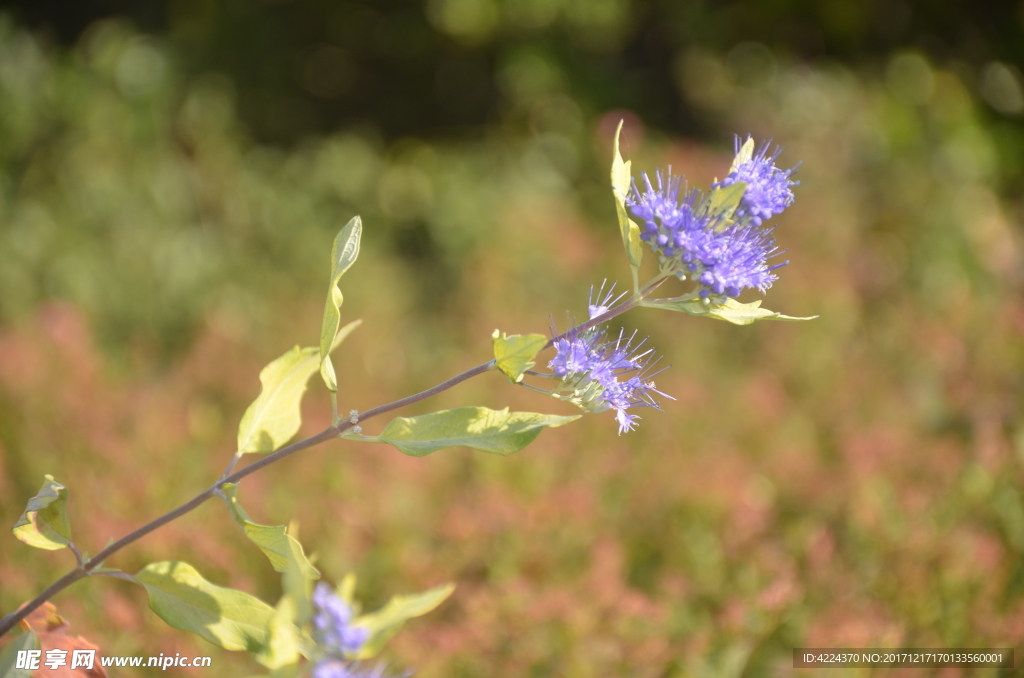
(716, 240)
(597, 373)
(769, 189)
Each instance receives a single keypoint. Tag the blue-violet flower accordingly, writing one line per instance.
(769, 189)
(598, 374)
(724, 254)
(332, 624)
(337, 638)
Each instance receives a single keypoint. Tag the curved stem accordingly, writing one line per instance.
(633, 302)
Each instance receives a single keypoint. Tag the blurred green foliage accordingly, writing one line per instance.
(851, 481)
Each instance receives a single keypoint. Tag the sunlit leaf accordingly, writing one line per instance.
(343, 255)
(731, 310)
(621, 179)
(386, 622)
(275, 416)
(745, 154)
(180, 596)
(720, 204)
(280, 547)
(347, 589)
(9, 655)
(45, 524)
(284, 639)
(514, 355)
(495, 431)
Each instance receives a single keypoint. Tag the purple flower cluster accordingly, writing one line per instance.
(769, 189)
(336, 637)
(600, 374)
(724, 253)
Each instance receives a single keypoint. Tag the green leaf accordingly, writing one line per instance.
(347, 590)
(343, 333)
(45, 524)
(514, 355)
(297, 585)
(275, 416)
(181, 597)
(327, 365)
(621, 179)
(495, 431)
(721, 203)
(386, 622)
(731, 310)
(345, 252)
(745, 155)
(284, 643)
(9, 655)
(280, 547)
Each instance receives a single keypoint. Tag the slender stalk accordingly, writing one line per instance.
(78, 554)
(612, 312)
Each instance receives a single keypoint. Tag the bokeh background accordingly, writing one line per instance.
(172, 174)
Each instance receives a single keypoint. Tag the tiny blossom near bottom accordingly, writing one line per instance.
(601, 374)
(337, 638)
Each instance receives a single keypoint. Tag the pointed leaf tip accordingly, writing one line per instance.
(621, 179)
(44, 523)
(281, 548)
(180, 596)
(745, 154)
(387, 621)
(731, 310)
(343, 255)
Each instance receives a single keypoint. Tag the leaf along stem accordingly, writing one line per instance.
(86, 566)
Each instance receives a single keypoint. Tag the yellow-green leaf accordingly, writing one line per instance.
(745, 154)
(731, 310)
(45, 524)
(347, 590)
(720, 204)
(386, 622)
(284, 643)
(514, 355)
(280, 547)
(621, 179)
(327, 365)
(495, 431)
(343, 255)
(274, 417)
(180, 596)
